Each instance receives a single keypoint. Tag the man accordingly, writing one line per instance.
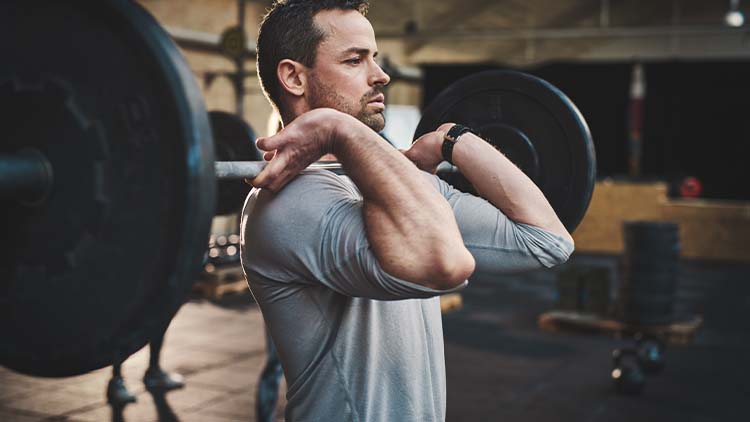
(346, 270)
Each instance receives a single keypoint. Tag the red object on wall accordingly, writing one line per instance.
(691, 187)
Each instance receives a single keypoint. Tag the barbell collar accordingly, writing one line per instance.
(25, 177)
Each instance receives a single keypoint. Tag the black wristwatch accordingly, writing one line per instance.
(450, 140)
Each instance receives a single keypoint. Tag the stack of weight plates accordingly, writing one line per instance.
(650, 271)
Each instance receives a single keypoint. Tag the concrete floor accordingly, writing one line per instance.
(500, 367)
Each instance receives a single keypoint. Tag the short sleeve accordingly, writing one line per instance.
(313, 232)
(500, 245)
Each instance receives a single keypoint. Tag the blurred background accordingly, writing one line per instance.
(665, 88)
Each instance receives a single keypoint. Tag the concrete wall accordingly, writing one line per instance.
(708, 229)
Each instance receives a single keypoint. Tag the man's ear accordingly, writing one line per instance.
(292, 77)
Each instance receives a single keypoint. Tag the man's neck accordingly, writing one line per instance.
(287, 118)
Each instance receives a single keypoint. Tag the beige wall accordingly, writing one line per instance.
(708, 229)
(212, 17)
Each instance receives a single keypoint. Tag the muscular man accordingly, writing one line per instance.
(347, 269)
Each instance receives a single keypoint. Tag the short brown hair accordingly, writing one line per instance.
(289, 32)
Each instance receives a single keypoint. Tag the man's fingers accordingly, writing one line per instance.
(272, 142)
(278, 180)
(268, 156)
(267, 144)
(270, 172)
(425, 136)
(277, 173)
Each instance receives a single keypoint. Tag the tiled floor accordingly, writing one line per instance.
(218, 347)
(500, 367)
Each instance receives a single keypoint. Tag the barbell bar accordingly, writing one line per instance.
(28, 176)
(239, 170)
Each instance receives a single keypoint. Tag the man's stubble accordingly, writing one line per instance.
(323, 95)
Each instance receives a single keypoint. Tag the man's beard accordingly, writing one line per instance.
(322, 95)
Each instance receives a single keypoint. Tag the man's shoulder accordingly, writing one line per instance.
(311, 189)
(281, 229)
(314, 179)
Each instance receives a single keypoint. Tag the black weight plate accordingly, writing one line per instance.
(534, 124)
(93, 272)
(234, 140)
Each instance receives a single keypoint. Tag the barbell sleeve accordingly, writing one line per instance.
(25, 176)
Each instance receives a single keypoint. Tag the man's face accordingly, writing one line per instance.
(345, 76)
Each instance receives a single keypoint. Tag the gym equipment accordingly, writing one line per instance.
(108, 179)
(234, 140)
(101, 249)
(534, 124)
(650, 270)
(650, 353)
(626, 373)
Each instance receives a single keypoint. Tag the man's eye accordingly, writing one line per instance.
(355, 60)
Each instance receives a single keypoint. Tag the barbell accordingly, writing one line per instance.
(108, 179)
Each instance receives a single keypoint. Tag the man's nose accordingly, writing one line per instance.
(379, 76)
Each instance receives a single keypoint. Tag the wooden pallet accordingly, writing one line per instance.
(220, 281)
(676, 333)
(451, 302)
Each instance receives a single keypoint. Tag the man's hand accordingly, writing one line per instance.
(299, 144)
(426, 152)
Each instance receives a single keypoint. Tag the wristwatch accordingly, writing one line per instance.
(450, 139)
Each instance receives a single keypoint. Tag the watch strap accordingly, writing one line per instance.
(450, 139)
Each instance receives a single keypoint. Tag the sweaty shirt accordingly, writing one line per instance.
(355, 343)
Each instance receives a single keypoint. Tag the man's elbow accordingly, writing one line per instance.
(451, 270)
(563, 247)
(562, 252)
(548, 247)
(569, 239)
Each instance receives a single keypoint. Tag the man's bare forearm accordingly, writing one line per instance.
(410, 226)
(504, 185)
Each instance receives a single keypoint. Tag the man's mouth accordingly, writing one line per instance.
(380, 98)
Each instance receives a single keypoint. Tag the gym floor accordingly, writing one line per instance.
(500, 366)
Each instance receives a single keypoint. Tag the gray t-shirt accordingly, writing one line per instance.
(355, 343)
